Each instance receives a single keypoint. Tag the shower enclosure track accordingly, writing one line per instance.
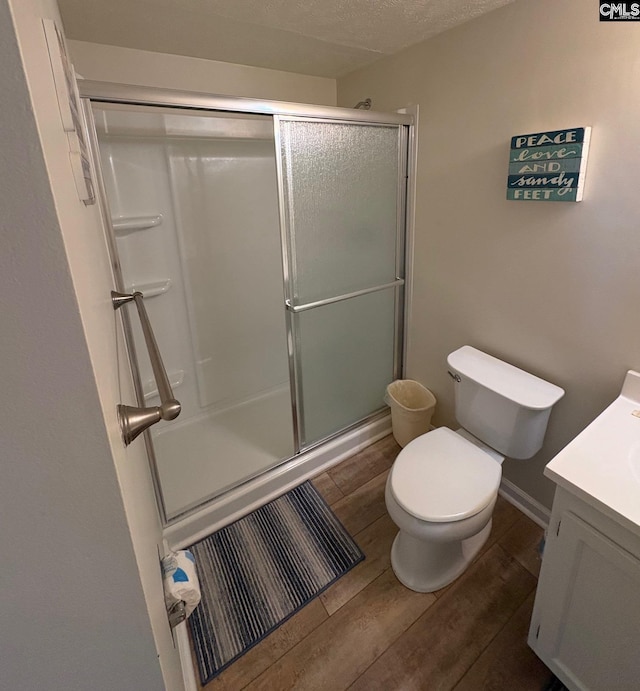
(111, 92)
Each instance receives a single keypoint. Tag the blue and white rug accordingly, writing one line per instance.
(257, 572)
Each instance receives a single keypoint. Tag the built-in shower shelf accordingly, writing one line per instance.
(175, 379)
(124, 225)
(151, 289)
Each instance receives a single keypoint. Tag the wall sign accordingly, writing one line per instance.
(548, 166)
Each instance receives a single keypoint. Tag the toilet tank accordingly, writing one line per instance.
(502, 405)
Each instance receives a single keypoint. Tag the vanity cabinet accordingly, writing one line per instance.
(586, 619)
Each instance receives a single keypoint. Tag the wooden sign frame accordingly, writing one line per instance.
(548, 166)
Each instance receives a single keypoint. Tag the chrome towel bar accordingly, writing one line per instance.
(134, 420)
(340, 298)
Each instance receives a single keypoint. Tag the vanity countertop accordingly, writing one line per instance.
(602, 464)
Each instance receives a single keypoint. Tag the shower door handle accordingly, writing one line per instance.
(135, 420)
(339, 298)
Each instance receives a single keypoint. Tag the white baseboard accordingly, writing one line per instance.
(528, 505)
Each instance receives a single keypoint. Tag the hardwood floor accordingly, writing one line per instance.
(368, 632)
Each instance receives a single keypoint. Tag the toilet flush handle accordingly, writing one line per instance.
(454, 376)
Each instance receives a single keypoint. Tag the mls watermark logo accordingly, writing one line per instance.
(620, 11)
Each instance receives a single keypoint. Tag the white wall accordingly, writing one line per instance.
(144, 68)
(550, 287)
(74, 613)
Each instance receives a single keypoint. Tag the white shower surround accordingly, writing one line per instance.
(236, 418)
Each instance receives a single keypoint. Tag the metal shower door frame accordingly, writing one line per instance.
(288, 264)
(107, 92)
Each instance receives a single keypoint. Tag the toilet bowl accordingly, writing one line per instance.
(440, 493)
(443, 486)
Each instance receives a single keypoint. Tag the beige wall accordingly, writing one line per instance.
(72, 584)
(551, 287)
(141, 67)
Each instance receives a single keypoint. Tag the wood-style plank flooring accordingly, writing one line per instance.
(368, 632)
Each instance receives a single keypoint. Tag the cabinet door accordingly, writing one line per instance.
(586, 624)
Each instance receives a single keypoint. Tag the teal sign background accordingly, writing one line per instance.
(548, 166)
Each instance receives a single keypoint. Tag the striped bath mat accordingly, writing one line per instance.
(257, 572)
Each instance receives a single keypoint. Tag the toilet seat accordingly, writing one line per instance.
(442, 477)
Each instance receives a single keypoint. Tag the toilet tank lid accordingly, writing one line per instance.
(511, 382)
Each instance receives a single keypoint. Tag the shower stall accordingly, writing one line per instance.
(268, 240)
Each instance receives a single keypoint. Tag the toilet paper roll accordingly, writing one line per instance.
(181, 580)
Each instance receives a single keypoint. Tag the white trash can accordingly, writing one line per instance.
(412, 406)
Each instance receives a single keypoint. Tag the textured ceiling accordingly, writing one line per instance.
(327, 38)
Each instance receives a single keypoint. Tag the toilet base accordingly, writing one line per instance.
(427, 567)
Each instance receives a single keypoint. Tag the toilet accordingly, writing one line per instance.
(443, 485)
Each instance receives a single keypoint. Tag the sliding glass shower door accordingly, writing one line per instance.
(342, 208)
(194, 208)
(270, 251)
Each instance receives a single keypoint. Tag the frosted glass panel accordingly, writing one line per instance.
(346, 355)
(213, 260)
(230, 251)
(341, 189)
